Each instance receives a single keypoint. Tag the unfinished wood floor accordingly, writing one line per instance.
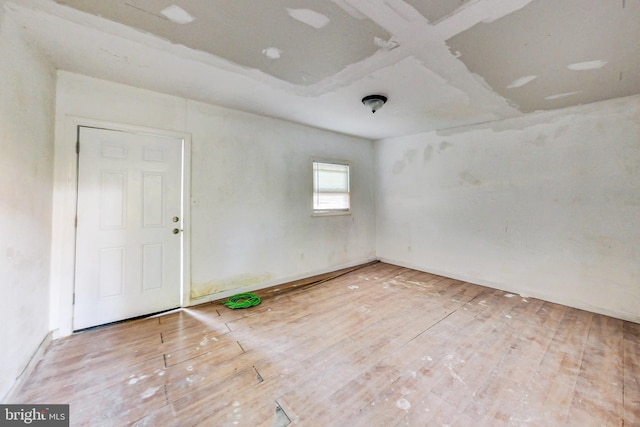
(380, 346)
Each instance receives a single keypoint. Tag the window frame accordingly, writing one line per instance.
(331, 212)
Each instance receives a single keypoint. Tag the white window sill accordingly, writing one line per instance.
(331, 213)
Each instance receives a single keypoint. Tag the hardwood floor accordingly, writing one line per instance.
(379, 346)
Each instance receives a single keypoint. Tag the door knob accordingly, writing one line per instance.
(176, 219)
(176, 230)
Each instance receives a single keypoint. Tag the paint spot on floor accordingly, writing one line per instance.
(364, 309)
(353, 287)
(149, 392)
(449, 365)
(403, 404)
(136, 379)
(194, 379)
(509, 295)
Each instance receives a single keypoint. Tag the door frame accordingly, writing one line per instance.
(65, 197)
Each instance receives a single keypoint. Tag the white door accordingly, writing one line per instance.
(129, 239)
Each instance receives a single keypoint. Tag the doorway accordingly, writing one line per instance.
(129, 226)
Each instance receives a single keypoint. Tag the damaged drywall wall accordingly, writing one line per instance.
(26, 166)
(251, 222)
(545, 205)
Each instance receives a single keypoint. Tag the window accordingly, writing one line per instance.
(331, 188)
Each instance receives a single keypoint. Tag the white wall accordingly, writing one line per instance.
(251, 207)
(547, 205)
(251, 223)
(26, 166)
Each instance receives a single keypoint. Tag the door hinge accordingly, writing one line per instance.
(74, 299)
(77, 147)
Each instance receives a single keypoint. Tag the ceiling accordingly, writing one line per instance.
(441, 63)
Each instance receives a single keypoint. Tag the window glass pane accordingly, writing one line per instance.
(330, 187)
(331, 201)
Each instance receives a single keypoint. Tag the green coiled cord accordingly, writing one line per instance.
(244, 300)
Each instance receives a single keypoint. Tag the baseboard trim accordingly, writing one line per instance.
(630, 317)
(28, 370)
(287, 284)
